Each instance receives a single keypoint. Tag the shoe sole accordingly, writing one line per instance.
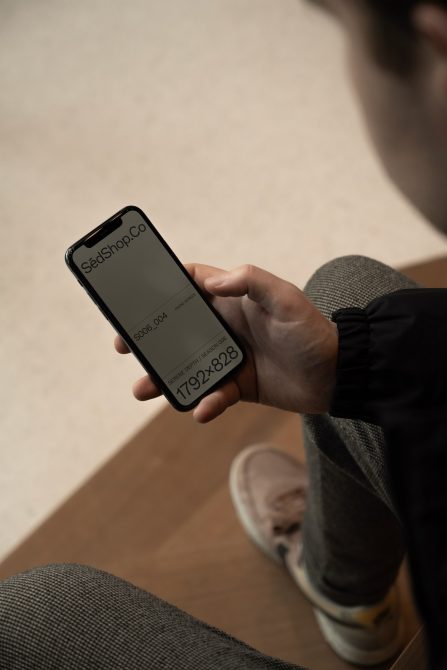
(241, 511)
(341, 647)
(352, 654)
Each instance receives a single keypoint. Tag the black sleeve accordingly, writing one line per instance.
(392, 371)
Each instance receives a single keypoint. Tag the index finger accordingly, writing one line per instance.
(200, 272)
(120, 345)
(274, 294)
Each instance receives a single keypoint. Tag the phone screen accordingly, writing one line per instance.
(161, 311)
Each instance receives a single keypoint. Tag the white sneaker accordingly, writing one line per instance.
(268, 488)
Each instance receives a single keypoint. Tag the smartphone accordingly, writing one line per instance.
(146, 294)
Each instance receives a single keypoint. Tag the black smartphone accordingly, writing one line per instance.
(141, 287)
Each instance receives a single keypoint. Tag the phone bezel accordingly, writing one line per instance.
(119, 328)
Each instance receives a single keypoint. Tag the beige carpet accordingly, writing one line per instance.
(231, 123)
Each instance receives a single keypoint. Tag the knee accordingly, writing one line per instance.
(34, 584)
(33, 605)
(352, 281)
(43, 588)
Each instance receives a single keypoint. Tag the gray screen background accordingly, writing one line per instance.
(140, 282)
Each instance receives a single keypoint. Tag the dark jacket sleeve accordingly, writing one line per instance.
(392, 371)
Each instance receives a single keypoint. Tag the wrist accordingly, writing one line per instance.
(332, 366)
(327, 373)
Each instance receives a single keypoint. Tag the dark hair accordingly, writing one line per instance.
(393, 39)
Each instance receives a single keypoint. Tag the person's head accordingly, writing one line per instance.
(397, 54)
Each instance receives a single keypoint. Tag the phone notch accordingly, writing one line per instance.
(103, 231)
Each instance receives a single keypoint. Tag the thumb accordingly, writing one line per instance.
(259, 285)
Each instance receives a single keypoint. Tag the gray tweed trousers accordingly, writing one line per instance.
(73, 617)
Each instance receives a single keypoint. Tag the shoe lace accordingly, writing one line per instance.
(287, 511)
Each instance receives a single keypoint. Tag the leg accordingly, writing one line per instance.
(63, 617)
(352, 538)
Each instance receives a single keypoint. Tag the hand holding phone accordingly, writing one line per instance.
(291, 347)
(161, 314)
